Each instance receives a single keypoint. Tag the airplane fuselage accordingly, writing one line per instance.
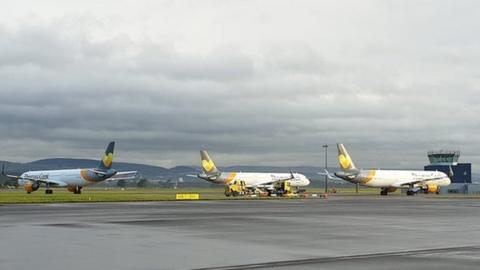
(258, 179)
(392, 178)
(72, 177)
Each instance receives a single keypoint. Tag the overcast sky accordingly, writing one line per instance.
(254, 82)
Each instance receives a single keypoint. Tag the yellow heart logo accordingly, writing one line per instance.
(208, 165)
(107, 160)
(345, 162)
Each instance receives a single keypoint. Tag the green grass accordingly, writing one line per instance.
(99, 194)
(104, 195)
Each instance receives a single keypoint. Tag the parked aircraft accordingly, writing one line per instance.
(75, 179)
(389, 180)
(253, 181)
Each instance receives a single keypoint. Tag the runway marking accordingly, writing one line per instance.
(341, 258)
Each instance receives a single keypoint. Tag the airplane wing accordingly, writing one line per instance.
(54, 182)
(409, 183)
(278, 180)
(414, 182)
(44, 181)
(18, 177)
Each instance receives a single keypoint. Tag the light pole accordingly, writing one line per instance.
(326, 164)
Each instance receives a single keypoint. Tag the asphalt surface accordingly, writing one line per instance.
(335, 233)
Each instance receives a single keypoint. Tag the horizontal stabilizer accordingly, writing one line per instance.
(329, 175)
(127, 175)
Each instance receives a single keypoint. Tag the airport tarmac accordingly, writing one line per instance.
(343, 232)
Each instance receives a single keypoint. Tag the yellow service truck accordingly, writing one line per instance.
(236, 188)
(284, 188)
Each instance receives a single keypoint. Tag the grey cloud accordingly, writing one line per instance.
(221, 64)
(66, 93)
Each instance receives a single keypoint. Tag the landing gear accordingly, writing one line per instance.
(384, 192)
(410, 192)
(48, 190)
(77, 190)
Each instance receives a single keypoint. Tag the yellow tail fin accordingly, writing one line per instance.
(208, 165)
(344, 159)
(107, 159)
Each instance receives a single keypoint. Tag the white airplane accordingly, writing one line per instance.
(263, 181)
(389, 180)
(73, 179)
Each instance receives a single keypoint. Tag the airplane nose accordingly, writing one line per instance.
(307, 182)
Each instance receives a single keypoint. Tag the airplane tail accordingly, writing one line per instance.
(107, 159)
(344, 159)
(208, 166)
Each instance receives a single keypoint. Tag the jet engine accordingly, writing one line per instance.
(31, 186)
(431, 188)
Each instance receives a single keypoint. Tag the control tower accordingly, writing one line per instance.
(444, 157)
(442, 160)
